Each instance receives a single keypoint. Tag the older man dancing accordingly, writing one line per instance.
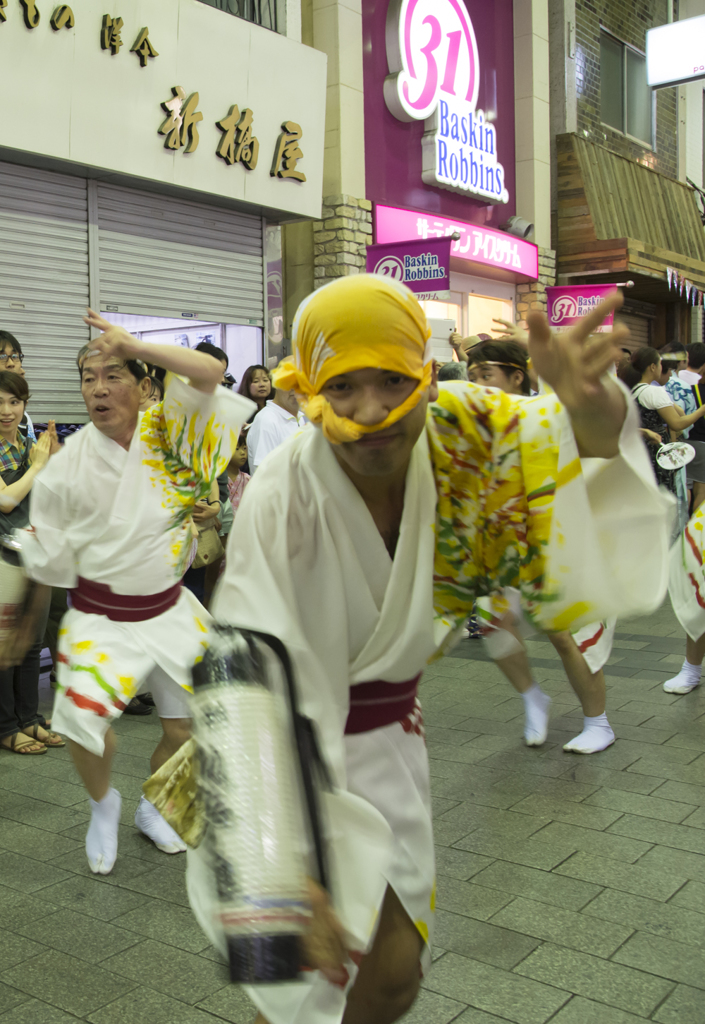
(362, 544)
(111, 519)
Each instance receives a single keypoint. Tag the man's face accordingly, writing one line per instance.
(12, 361)
(225, 370)
(288, 400)
(112, 395)
(491, 376)
(367, 397)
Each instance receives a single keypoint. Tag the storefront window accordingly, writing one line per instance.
(626, 101)
(443, 311)
(482, 309)
(268, 13)
(472, 313)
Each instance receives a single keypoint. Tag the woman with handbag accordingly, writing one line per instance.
(20, 461)
(210, 549)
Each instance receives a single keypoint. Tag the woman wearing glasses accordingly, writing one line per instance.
(11, 359)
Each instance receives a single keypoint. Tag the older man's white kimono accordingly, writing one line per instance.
(306, 562)
(121, 519)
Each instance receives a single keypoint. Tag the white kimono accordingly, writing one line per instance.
(686, 586)
(306, 562)
(122, 518)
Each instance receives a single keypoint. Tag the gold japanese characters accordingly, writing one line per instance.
(238, 143)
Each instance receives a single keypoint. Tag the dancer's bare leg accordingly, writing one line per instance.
(516, 667)
(94, 770)
(389, 977)
(689, 676)
(388, 980)
(176, 731)
(590, 690)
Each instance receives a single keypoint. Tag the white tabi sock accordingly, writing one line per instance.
(536, 705)
(102, 837)
(686, 680)
(596, 735)
(150, 822)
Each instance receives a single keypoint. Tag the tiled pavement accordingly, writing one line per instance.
(570, 889)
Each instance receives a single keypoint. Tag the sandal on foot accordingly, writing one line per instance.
(22, 748)
(52, 739)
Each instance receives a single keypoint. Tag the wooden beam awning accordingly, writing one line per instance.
(616, 216)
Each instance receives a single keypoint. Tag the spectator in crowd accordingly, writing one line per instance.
(279, 419)
(21, 459)
(673, 360)
(696, 364)
(453, 371)
(204, 595)
(11, 360)
(237, 478)
(520, 336)
(500, 364)
(256, 384)
(155, 396)
(656, 409)
(213, 350)
(695, 470)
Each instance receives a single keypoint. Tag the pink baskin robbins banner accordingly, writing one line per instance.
(568, 303)
(423, 266)
(476, 244)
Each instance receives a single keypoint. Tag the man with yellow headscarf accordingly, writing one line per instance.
(363, 542)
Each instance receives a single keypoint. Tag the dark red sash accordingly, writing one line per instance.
(374, 705)
(99, 599)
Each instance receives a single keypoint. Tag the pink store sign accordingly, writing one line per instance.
(476, 245)
(568, 303)
(423, 266)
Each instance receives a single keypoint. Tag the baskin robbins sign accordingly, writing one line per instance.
(434, 76)
(568, 303)
(423, 266)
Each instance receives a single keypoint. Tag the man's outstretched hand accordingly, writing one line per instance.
(574, 363)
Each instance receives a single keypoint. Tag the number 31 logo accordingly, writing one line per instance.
(431, 51)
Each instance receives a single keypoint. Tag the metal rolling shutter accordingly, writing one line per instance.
(161, 256)
(44, 292)
(639, 329)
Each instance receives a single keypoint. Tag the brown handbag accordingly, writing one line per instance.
(210, 548)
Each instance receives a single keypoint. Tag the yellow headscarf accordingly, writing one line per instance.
(355, 323)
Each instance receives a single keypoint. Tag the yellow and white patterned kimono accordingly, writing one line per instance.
(494, 497)
(687, 576)
(121, 518)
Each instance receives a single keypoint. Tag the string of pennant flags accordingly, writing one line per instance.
(682, 285)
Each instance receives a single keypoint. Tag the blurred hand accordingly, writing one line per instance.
(114, 341)
(24, 630)
(574, 362)
(510, 332)
(39, 455)
(459, 344)
(324, 944)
